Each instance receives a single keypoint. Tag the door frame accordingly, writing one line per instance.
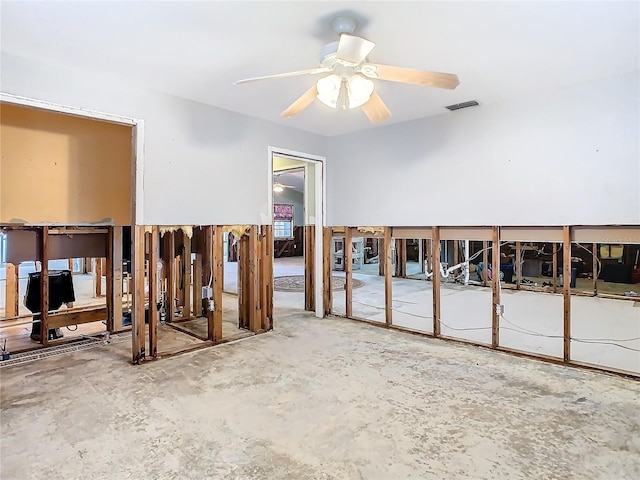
(316, 162)
(137, 195)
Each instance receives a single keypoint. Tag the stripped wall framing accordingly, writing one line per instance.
(564, 236)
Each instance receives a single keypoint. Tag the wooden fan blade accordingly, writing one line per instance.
(310, 71)
(301, 103)
(375, 109)
(409, 75)
(353, 49)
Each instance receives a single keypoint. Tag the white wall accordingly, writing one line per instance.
(566, 157)
(203, 165)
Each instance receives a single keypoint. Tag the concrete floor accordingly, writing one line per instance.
(317, 399)
(606, 332)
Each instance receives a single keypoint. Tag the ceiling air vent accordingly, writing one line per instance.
(458, 106)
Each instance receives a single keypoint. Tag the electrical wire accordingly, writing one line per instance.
(601, 341)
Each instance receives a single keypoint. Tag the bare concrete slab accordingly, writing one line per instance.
(317, 399)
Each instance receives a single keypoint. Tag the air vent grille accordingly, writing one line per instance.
(458, 106)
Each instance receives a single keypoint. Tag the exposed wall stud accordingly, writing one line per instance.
(348, 270)
(254, 281)
(485, 262)
(44, 285)
(12, 290)
(436, 279)
(495, 288)
(186, 275)
(215, 318)
(154, 251)
(196, 293)
(326, 270)
(594, 261)
(309, 267)
(517, 264)
(388, 278)
(138, 310)
(566, 291)
(554, 265)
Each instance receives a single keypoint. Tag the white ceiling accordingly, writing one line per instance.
(196, 50)
(292, 178)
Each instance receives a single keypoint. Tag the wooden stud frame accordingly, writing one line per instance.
(327, 298)
(309, 267)
(555, 267)
(348, 270)
(138, 314)
(566, 291)
(154, 251)
(485, 261)
(254, 279)
(495, 288)
(44, 285)
(388, 279)
(436, 280)
(12, 303)
(559, 236)
(518, 264)
(214, 330)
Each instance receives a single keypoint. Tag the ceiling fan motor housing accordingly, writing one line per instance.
(344, 24)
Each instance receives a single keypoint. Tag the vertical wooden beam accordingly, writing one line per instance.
(197, 286)
(12, 303)
(429, 251)
(309, 267)
(154, 252)
(254, 280)
(435, 268)
(517, 264)
(495, 288)
(566, 291)
(214, 318)
(264, 280)
(70, 264)
(594, 261)
(116, 279)
(381, 250)
(421, 254)
(456, 252)
(186, 275)
(44, 285)
(326, 270)
(401, 257)
(109, 275)
(170, 264)
(97, 277)
(485, 262)
(243, 283)
(388, 276)
(268, 276)
(348, 271)
(555, 266)
(137, 272)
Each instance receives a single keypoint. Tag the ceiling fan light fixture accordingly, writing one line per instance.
(278, 188)
(358, 90)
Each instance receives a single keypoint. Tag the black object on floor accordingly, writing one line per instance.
(60, 291)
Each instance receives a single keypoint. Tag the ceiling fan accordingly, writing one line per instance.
(279, 187)
(350, 80)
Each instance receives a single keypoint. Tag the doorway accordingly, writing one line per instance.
(296, 191)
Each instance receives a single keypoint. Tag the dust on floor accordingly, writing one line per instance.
(317, 399)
